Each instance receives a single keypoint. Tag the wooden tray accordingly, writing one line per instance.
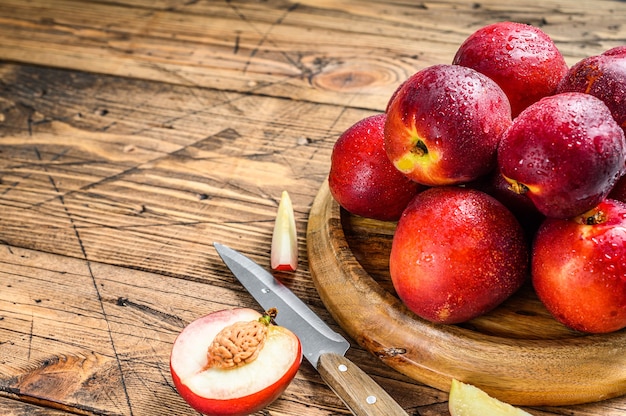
(517, 353)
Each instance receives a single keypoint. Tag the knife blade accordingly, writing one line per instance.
(324, 348)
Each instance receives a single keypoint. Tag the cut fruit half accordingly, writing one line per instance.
(233, 362)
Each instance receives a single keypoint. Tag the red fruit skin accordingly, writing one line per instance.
(567, 150)
(520, 205)
(456, 254)
(618, 50)
(522, 59)
(362, 179)
(240, 406)
(604, 77)
(579, 270)
(454, 112)
(619, 190)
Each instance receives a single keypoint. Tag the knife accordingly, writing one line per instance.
(324, 348)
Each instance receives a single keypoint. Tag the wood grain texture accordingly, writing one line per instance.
(352, 53)
(134, 169)
(85, 185)
(134, 133)
(102, 346)
(521, 369)
(11, 407)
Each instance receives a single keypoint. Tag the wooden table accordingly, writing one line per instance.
(135, 133)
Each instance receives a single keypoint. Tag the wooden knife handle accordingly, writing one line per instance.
(362, 395)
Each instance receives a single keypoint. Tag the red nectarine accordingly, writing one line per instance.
(579, 268)
(456, 254)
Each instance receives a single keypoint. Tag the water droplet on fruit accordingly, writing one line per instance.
(424, 258)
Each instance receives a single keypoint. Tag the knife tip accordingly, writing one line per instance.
(221, 248)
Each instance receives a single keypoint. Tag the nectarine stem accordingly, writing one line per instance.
(518, 188)
(269, 316)
(420, 149)
(593, 218)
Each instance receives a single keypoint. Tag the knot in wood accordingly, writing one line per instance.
(237, 344)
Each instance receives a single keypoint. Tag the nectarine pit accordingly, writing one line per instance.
(239, 343)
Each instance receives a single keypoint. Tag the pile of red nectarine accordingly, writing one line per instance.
(502, 165)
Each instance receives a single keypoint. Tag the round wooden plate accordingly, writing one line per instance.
(517, 353)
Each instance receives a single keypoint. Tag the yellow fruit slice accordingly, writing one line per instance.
(468, 400)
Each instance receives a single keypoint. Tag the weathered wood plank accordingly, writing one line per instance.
(11, 407)
(351, 53)
(95, 339)
(82, 178)
(148, 175)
